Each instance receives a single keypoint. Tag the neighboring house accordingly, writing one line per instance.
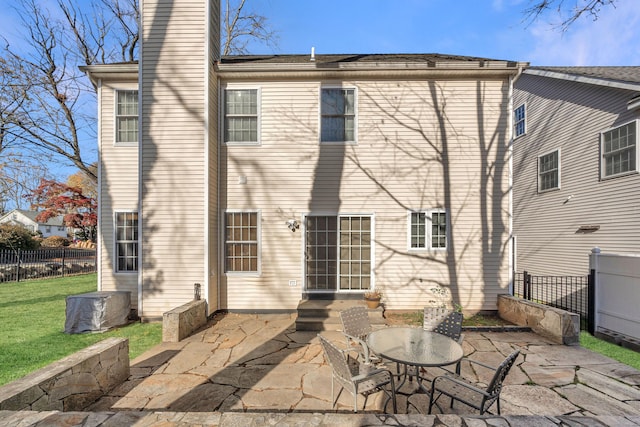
(267, 179)
(576, 182)
(27, 219)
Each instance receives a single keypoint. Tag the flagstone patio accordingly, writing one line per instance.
(249, 363)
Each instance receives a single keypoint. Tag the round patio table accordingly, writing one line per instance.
(414, 347)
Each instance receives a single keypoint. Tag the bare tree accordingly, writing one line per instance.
(50, 107)
(569, 11)
(240, 26)
(19, 175)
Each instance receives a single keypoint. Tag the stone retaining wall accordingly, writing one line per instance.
(72, 383)
(560, 326)
(182, 321)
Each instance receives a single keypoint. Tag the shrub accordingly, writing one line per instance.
(15, 237)
(54, 242)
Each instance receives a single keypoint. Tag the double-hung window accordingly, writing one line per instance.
(126, 116)
(126, 241)
(338, 115)
(549, 171)
(428, 229)
(242, 244)
(619, 150)
(519, 121)
(241, 116)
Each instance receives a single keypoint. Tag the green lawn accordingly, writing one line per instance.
(32, 316)
(621, 354)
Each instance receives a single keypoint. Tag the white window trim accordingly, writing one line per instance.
(224, 243)
(355, 119)
(116, 143)
(559, 171)
(223, 114)
(515, 123)
(428, 232)
(115, 242)
(602, 164)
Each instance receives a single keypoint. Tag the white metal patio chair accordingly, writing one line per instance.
(460, 389)
(356, 326)
(444, 321)
(346, 373)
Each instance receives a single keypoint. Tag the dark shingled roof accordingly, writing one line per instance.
(346, 58)
(617, 74)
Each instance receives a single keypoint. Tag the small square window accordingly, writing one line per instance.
(519, 122)
(549, 171)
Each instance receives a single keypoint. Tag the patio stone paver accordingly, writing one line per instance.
(256, 370)
(534, 400)
(244, 362)
(549, 376)
(595, 401)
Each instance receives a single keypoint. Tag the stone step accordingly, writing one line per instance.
(324, 315)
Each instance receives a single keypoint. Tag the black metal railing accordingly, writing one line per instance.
(45, 263)
(571, 293)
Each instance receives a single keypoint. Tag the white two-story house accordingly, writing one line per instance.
(269, 179)
(575, 166)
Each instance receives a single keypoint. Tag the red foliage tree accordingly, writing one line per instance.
(54, 198)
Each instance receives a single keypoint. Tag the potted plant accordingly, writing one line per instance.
(372, 298)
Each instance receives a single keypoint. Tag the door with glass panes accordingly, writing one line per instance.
(337, 253)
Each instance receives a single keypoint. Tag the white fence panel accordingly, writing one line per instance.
(617, 292)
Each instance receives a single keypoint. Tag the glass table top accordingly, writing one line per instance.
(414, 346)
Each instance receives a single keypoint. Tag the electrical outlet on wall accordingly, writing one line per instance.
(293, 283)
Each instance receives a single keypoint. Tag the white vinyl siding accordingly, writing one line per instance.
(619, 150)
(126, 116)
(174, 69)
(428, 229)
(241, 116)
(393, 166)
(549, 171)
(338, 115)
(547, 227)
(519, 121)
(118, 186)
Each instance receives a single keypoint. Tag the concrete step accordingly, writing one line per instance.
(324, 315)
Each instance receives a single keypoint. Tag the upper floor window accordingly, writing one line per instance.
(619, 152)
(428, 229)
(338, 115)
(242, 242)
(241, 115)
(519, 122)
(549, 171)
(127, 116)
(126, 241)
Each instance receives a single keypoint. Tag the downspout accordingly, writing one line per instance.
(140, 169)
(512, 81)
(207, 124)
(99, 243)
(219, 257)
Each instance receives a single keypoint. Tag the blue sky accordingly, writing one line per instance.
(486, 28)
